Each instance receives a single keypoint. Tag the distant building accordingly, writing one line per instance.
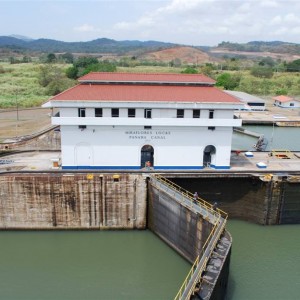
(133, 121)
(250, 102)
(286, 102)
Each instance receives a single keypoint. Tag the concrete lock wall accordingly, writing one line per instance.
(250, 198)
(181, 228)
(72, 201)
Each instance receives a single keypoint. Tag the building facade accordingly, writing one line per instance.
(250, 102)
(134, 121)
(286, 102)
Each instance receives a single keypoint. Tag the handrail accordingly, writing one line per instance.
(190, 196)
(196, 266)
(195, 274)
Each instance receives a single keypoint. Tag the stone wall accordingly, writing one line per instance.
(72, 201)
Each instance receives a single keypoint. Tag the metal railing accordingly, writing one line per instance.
(201, 202)
(194, 276)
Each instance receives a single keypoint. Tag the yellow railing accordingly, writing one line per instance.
(190, 196)
(204, 263)
(212, 237)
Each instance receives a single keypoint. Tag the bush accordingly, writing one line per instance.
(262, 72)
(189, 70)
(228, 81)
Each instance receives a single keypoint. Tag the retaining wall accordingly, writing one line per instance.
(72, 201)
(270, 201)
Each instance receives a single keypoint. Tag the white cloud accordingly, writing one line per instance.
(269, 3)
(291, 18)
(85, 28)
(207, 22)
(276, 21)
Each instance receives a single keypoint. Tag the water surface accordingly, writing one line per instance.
(278, 138)
(88, 265)
(265, 262)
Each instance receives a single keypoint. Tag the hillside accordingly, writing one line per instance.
(101, 45)
(186, 55)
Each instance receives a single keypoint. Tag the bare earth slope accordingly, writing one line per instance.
(187, 55)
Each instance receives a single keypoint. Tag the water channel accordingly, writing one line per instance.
(287, 138)
(88, 265)
(62, 265)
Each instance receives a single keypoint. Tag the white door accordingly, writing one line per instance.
(83, 155)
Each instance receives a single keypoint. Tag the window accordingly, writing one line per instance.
(196, 113)
(211, 128)
(180, 113)
(291, 104)
(82, 127)
(81, 112)
(148, 113)
(147, 127)
(211, 114)
(131, 112)
(98, 112)
(115, 112)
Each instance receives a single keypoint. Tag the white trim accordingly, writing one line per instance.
(177, 122)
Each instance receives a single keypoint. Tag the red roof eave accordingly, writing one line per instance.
(144, 93)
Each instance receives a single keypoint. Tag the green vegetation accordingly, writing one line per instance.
(260, 46)
(19, 84)
(86, 64)
(30, 84)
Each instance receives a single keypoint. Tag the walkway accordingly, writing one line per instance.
(214, 216)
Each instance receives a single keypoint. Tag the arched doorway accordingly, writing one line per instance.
(209, 151)
(147, 155)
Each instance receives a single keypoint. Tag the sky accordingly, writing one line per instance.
(189, 22)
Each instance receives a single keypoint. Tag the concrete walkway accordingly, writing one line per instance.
(43, 161)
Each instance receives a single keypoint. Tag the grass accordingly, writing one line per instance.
(19, 83)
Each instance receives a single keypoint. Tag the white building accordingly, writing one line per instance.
(123, 120)
(286, 102)
(250, 102)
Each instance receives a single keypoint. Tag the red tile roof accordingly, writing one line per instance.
(283, 98)
(145, 93)
(146, 77)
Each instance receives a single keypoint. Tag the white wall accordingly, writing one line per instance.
(121, 146)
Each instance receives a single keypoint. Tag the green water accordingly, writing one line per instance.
(265, 262)
(277, 138)
(88, 265)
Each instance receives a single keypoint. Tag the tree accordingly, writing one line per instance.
(189, 70)
(207, 69)
(85, 65)
(68, 57)
(51, 58)
(228, 81)
(293, 66)
(262, 72)
(53, 79)
(267, 61)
